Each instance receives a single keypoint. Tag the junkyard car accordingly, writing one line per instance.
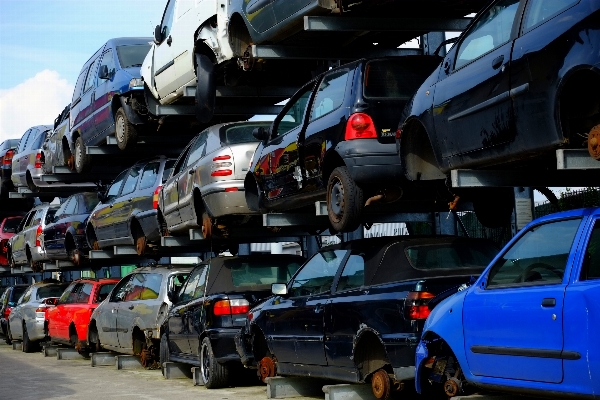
(207, 181)
(127, 212)
(69, 319)
(64, 236)
(27, 245)
(27, 319)
(7, 151)
(529, 323)
(8, 300)
(8, 228)
(507, 96)
(28, 160)
(108, 99)
(355, 310)
(56, 147)
(129, 321)
(334, 141)
(208, 313)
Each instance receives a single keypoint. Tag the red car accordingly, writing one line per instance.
(68, 321)
(8, 228)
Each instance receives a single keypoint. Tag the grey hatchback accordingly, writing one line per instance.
(126, 213)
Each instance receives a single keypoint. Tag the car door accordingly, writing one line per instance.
(284, 9)
(103, 215)
(18, 172)
(279, 170)
(106, 320)
(54, 234)
(83, 110)
(185, 182)
(67, 305)
(164, 72)
(17, 314)
(472, 108)
(260, 14)
(103, 117)
(170, 193)
(124, 204)
(513, 319)
(295, 323)
(18, 242)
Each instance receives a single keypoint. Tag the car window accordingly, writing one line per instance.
(330, 94)
(238, 134)
(25, 221)
(39, 140)
(149, 175)
(50, 291)
(194, 286)
(62, 208)
(152, 283)
(453, 255)
(176, 282)
(294, 114)
(108, 60)
(103, 292)
(316, 276)
(115, 187)
(353, 275)
(491, 30)
(591, 262)
(131, 181)
(539, 11)
(539, 257)
(11, 224)
(135, 287)
(85, 292)
(71, 208)
(37, 218)
(69, 293)
(25, 296)
(395, 79)
(118, 294)
(168, 169)
(23, 141)
(49, 215)
(261, 272)
(90, 81)
(167, 21)
(197, 149)
(89, 201)
(79, 84)
(132, 55)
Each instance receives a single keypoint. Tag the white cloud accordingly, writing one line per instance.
(37, 101)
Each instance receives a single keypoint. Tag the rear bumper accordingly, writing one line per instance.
(223, 343)
(370, 162)
(36, 330)
(219, 202)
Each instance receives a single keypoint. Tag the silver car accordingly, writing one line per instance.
(56, 148)
(207, 181)
(129, 320)
(26, 321)
(28, 159)
(26, 247)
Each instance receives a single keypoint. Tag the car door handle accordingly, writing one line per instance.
(318, 309)
(548, 302)
(497, 62)
(130, 307)
(169, 40)
(191, 172)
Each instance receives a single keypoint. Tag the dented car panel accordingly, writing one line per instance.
(537, 296)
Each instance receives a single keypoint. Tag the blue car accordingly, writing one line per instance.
(108, 99)
(529, 324)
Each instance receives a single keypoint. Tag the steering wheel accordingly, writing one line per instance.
(529, 275)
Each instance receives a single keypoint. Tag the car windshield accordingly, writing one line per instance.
(240, 133)
(50, 291)
(132, 55)
(451, 255)
(261, 272)
(397, 79)
(11, 224)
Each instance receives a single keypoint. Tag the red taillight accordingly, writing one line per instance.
(222, 166)
(41, 309)
(231, 189)
(8, 157)
(221, 158)
(222, 172)
(415, 305)
(38, 233)
(229, 307)
(7, 311)
(155, 197)
(398, 133)
(360, 126)
(39, 160)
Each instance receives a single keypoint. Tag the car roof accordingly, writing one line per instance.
(163, 269)
(120, 41)
(580, 212)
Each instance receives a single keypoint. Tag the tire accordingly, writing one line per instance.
(94, 346)
(139, 240)
(205, 88)
(83, 161)
(28, 345)
(344, 201)
(213, 373)
(125, 131)
(164, 354)
(494, 207)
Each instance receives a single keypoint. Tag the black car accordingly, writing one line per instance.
(211, 308)
(127, 211)
(354, 312)
(508, 95)
(334, 140)
(7, 149)
(8, 300)
(64, 237)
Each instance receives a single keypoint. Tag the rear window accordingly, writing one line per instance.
(50, 291)
(50, 215)
(240, 133)
(10, 225)
(451, 255)
(395, 79)
(132, 56)
(18, 292)
(261, 272)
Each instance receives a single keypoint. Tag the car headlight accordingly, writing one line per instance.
(136, 83)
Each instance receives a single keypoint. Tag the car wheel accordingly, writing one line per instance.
(83, 161)
(494, 207)
(94, 341)
(125, 131)
(28, 345)
(344, 201)
(380, 384)
(92, 239)
(207, 226)
(205, 88)
(139, 240)
(214, 374)
(164, 355)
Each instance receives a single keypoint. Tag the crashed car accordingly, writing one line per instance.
(354, 311)
(529, 324)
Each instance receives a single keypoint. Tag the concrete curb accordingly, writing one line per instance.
(279, 387)
(175, 370)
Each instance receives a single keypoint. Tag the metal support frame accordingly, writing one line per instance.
(278, 220)
(431, 41)
(575, 159)
(247, 91)
(329, 53)
(524, 178)
(353, 24)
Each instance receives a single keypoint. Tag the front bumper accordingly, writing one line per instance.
(370, 162)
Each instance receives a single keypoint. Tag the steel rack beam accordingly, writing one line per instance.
(330, 53)
(100, 254)
(524, 178)
(196, 234)
(277, 220)
(175, 241)
(5, 269)
(50, 266)
(248, 109)
(345, 24)
(24, 193)
(572, 159)
(246, 91)
(124, 251)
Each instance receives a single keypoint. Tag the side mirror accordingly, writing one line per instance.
(51, 301)
(157, 34)
(261, 134)
(172, 296)
(279, 289)
(103, 73)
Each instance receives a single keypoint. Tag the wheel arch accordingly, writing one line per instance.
(369, 353)
(239, 34)
(331, 161)
(419, 160)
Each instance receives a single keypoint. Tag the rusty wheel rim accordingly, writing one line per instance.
(451, 388)
(266, 368)
(140, 245)
(146, 358)
(594, 142)
(76, 257)
(380, 383)
(206, 226)
(95, 245)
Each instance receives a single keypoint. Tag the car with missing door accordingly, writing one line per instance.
(354, 311)
(56, 146)
(334, 140)
(210, 310)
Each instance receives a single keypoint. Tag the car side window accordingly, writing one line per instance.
(39, 140)
(103, 292)
(131, 180)
(591, 262)
(61, 210)
(64, 298)
(353, 275)
(135, 287)
(294, 113)
(181, 161)
(90, 81)
(316, 276)
(115, 187)
(23, 141)
(167, 21)
(152, 283)
(539, 257)
(540, 11)
(197, 149)
(37, 218)
(79, 85)
(194, 286)
(330, 94)
(176, 282)
(109, 61)
(25, 297)
(71, 207)
(149, 175)
(85, 292)
(121, 289)
(490, 31)
(73, 296)
(25, 221)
